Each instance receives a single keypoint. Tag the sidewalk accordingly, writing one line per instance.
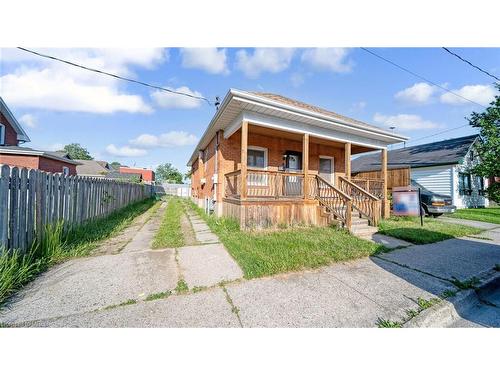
(351, 294)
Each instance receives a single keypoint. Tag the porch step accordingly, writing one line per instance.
(359, 222)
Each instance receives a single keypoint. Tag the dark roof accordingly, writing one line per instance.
(21, 134)
(123, 176)
(451, 151)
(18, 150)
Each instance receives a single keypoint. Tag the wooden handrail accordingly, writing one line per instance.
(367, 204)
(233, 173)
(344, 195)
(358, 188)
(337, 202)
(367, 179)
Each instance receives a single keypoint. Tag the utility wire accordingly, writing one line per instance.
(115, 75)
(471, 64)
(432, 135)
(419, 76)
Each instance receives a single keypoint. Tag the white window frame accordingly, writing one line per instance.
(264, 180)
(2, 134)
(258, 148)
(65, 171)
(332, 181)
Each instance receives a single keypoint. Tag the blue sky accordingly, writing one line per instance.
(58, 104)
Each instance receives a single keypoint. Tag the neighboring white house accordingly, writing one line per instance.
(441, 167)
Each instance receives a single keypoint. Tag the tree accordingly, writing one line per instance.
(168, 173)
(76, 151)
(488, 149)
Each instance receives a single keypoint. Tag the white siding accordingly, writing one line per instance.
(473, 200)
(436, 179)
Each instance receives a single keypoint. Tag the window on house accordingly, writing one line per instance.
(464, 184)
(2, 135)
(257, 157)
(65, 171)
(480, 185)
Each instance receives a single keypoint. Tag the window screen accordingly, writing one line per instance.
(256, 158)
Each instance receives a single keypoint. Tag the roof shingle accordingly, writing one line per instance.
(450, 151)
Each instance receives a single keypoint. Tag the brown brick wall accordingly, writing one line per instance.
(25, 161)
(10, 133)
(55, 166)
(37, 162)
(230, 155)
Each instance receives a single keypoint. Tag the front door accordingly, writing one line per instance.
(326, 168)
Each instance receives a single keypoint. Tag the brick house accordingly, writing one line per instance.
(12, 134)
(267, 160)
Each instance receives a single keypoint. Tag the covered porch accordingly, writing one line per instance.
(293, 176)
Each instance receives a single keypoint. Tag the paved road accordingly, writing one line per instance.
(351, 294)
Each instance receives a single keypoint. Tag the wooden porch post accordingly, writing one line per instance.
(347, 156)
(305, 163)
(244, 148)
(385, 201)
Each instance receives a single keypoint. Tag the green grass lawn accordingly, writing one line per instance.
(17, 269)
(170, 232)
(271, 252)
(490, 215)
(409, 229)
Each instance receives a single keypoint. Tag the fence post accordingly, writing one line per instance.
(4, 207)
(14, 208)
(30, 225)
(23, 198)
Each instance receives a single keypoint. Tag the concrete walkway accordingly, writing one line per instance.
(471, 223)
(201, 230)
(82, 292)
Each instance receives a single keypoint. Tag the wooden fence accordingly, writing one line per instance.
(31, 199)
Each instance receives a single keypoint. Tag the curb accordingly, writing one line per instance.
(445, 312)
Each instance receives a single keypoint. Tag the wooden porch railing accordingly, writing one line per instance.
(336, 201)
(367, 204)
(375, 186)
(232, 184)
(267, 185)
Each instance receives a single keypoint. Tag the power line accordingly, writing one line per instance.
(419, 76)
(432, 135)
(471, 64)
(115, 75)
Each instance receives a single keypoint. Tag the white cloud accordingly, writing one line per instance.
(124, 151)
(419, 93)
(358, 106)
(28, 120)
(405, 122)
(297, 79)
(54, 147)
(333, 59)
(271, 60)
(53, 90)
(47, 84)
(482, 94)
(170, 139)
(211, 60)
(169, 100)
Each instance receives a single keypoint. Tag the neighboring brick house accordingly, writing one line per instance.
(147, 175)
(268, 160)
(12, 134)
